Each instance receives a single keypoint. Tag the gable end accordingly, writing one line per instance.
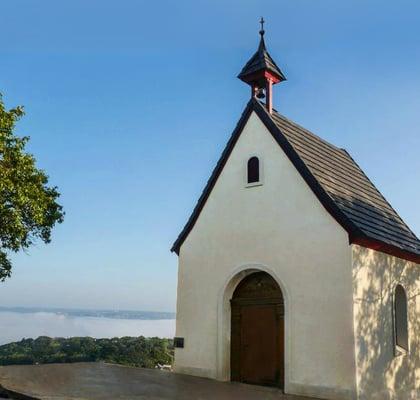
(364, 223)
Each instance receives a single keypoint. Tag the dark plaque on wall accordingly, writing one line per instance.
(179, 342)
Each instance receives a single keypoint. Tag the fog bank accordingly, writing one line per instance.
(15, 326)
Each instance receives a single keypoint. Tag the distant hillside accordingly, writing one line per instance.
(132, 351)
(74, 312)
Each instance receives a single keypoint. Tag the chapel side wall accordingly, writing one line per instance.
(280, 227)
(381, 375)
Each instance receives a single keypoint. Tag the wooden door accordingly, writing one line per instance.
(257, 340)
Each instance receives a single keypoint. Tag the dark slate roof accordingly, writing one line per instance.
(261, 60)
(338, 182)
(348, 186)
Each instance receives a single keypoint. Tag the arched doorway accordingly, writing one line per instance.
(257, 331)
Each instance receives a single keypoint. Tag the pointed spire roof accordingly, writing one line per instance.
(261, 61)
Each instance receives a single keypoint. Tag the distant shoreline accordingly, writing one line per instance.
(96, 313)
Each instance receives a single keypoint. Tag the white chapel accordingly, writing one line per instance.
(294, 270)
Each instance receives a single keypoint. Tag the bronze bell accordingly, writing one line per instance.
(260, 93)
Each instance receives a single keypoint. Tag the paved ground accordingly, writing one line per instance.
(112, 382)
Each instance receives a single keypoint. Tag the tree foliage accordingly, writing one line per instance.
(132, 351)
(28, 206)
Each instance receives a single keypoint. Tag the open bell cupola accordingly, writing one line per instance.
(261, 73)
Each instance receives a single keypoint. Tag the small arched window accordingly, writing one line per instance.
(401, 323)
(253, 170)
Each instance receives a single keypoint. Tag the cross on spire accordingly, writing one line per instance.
(262, 31)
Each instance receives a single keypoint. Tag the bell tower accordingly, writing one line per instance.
(261, 73)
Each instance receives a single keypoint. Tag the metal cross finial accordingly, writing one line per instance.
(262, 31)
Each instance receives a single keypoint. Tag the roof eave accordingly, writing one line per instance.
(377, 245)
(253, 75)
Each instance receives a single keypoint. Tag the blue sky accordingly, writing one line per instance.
(130, 103)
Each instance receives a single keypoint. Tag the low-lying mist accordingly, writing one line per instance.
(15, 326)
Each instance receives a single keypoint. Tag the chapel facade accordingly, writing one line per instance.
(294, 270)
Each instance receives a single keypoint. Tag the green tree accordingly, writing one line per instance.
(133, 351)
(28, 206)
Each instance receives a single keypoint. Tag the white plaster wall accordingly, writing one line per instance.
(381, 374)
(280, 227)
